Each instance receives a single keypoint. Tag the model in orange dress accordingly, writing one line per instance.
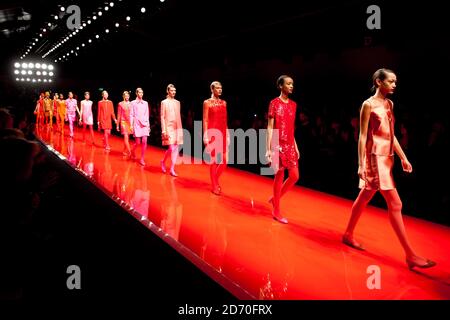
(123, 120)
(105, 113)
(171, 128)
(39, 110)
(376, 147)
(61, 112)
(216, 137)
(282, 151)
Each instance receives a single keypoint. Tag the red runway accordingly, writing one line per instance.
(235, 234)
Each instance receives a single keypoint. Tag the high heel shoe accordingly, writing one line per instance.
(173, 173)
(216, 191)
(351, 243)
(412, 264)
(280, 219)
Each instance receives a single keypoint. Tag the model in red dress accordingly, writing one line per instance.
(376, 147)
(104, 115)
(215, 137)
(282, 151)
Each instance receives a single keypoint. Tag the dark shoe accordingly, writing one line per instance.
(412, 265)
(351, 243)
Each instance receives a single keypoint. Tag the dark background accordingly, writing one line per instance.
(324, 45)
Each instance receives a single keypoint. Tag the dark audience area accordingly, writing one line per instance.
(53, 217)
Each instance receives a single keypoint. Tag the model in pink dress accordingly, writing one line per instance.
(105, 114)
(282, 151)
(216, 137)
(140, 122)
(87, 118)
(171, 128)
(72, 110)
(376, 148)
(123, 120)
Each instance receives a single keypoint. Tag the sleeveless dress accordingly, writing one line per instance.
(379, 147)
(217, 126)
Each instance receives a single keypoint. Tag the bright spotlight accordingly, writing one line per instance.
(17, 65)
(44, 66)
(143, 10)
(128, 18)
(50, 67)
(24, 65)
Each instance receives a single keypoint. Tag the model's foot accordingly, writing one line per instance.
(163, 167)
(419, 262)
(173, 173)
(142, 162)
(349, 241)
(279, 218)
(216, 191)
(270, 200)
(107, 148)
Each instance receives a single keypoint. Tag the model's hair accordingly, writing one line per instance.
(214, 84)
(380, 74)
(137, 89)
(125, 92)
(87, 92)
(70, 92)
(280, 80)
(169, 86)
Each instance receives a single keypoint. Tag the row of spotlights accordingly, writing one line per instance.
(31, 65)
(29, 72)
(33, 80)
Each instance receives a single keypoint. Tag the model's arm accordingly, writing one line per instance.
(99, 114)
(119, 115)
(364, 126)
(113, 114)
(270, 123)
(78, 110)
(163, 119)
(205, 122)
(407, 167)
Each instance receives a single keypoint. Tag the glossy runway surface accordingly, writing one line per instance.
(235, 234)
